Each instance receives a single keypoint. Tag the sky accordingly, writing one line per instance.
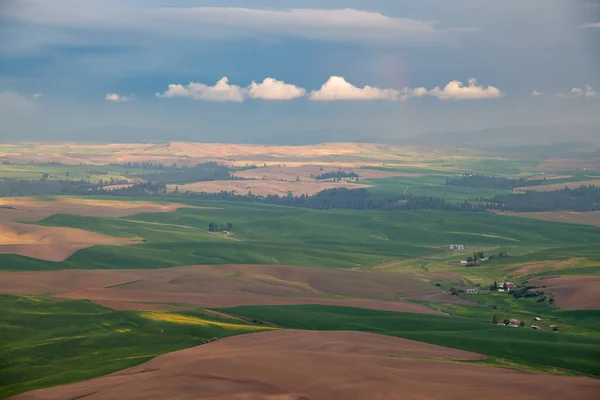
(293, 71)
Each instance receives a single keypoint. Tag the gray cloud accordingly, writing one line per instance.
(345, 24)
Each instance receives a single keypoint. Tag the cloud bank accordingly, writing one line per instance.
(341, 24)
(337, 88)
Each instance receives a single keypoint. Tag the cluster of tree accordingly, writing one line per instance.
(489, 182)
(527, 292)
(18, 188)
(476, 259)
(337, 176)
(501, 254)
(214, 227)
(584, 198)
(209, 171)
(143, 165)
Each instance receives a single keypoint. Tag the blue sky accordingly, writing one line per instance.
(121, 70)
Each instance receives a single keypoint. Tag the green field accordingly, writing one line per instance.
(49, 342)
(265, 234)
(577, 353)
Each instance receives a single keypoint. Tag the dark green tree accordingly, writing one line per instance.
(229, 226)
(495, 319)
(212, 227)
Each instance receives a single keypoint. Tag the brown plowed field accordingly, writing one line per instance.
(570, 217)
(223, 286)
(302, 365)
(57, 244)
(573, 292)
(265, 187)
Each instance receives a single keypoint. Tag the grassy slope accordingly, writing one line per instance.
(294, 236)
(574, 352)
(49, 342)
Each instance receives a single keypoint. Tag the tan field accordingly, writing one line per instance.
(49, 243)
(585, 218)
(57, 244)
(548, 177)
(265, 188)
(223, 286)
(573, 292)
(559, 186)
(302, 365)
(186, 152)
(304, 172)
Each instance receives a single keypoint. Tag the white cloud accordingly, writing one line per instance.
(15, 103)
(222, 91)
(595, 25)
(337, 88)
(116, 97)
(536, 93)
(586, 91)
(455, 90)
(37, 96)
(272, 89)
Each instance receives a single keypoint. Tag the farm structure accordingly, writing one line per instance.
(457, 247)
(472, 291)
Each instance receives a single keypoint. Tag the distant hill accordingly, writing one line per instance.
(510, 136)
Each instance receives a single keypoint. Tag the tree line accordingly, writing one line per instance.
(337, 176)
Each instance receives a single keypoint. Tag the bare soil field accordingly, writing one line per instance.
(558, 186)
(57, 244)
(302, 365)
(573, 292)
(223, 286)
(584, 218)
(304, 172)
(264, 187)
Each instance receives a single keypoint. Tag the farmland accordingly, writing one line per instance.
(101, 271)
(48, 342)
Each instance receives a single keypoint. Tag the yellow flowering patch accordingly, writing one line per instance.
(188, 320)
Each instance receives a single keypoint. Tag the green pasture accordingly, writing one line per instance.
(577, 353)
(51, 342)
(92, 173)
(266, 234)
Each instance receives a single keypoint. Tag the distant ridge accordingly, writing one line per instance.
(510, 136)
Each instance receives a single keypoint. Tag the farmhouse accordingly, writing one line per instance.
(463, 262)
(457, 247)
(472, 291)
(514, 322)
(537, 318)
